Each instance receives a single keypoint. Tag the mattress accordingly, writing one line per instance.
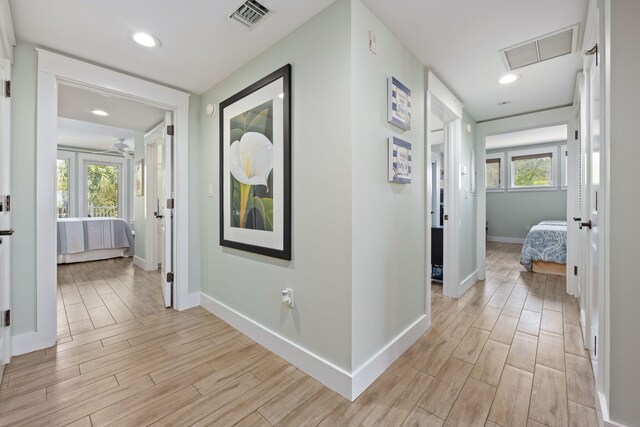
(547, 242)
(79, 235)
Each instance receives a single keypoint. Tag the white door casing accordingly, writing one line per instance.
(5, 215)
(167, 220)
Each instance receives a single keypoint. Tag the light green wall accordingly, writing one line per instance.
(197, 190)
(23, 189)
(388, 219)
(467, 202)
(320, 270)
(509, 212)
(139, 202)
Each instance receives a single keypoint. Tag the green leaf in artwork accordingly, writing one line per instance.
(259, 123)
(236, 134)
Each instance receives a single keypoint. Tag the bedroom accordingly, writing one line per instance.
(526, 181)
(108, 264)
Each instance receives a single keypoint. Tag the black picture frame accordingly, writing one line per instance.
(280, 224)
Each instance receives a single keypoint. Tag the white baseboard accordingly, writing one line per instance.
(193, 300)
(139, 262)
(505, 239)
(347, 384)
(468, 282)
(30, 341)
(603, 412)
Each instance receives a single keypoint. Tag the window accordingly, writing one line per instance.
(66, 184)
(62, 188)
(533, 168)
(494, 171)
(103, 190)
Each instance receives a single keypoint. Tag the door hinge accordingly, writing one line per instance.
(170, 130)
(7, 88)
(6, 318)
(593, 51)
(576, 135)
(170, 203)
(170, 277)
(575, 270)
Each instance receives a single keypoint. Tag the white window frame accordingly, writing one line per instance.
(123, 172)
(533, 151)
(70, 156)
(503, 178)
(564, 156)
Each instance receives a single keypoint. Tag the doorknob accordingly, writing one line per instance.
(6, 232)
(585, 224)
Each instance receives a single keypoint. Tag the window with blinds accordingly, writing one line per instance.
(492, 173)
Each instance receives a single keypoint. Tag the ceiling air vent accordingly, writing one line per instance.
(549, 46)
(249, 13)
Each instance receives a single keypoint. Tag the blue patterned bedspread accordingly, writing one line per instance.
(546, 241)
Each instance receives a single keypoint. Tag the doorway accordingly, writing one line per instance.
(54, 69)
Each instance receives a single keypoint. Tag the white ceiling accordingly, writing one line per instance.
(527, 137)
(76, 103)
(459, 40)
(199, 45)
(79, 134)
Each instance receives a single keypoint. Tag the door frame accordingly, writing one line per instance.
(441, 103)
(5, 270)
(551, 117)
(151, 139)
(52, 69)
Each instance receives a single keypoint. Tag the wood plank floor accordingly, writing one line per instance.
(505, 354)
(92, 295)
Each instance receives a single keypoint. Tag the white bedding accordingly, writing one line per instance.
(97, 238)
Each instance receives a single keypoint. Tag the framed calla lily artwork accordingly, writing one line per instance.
(255, 167)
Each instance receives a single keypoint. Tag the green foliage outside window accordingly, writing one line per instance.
(102, 190)
(532, 172)
(493, 175)
(62, 187)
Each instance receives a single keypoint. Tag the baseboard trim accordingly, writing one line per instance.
(603, 412)
(139, 262)
(468, 282)
(348, 385)
(30, 341)
(193, 300)
(505, 239)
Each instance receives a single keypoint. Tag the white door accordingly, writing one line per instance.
(167, 262)
(5, 216)
(161, 234)
(592, 227)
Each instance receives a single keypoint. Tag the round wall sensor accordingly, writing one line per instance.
(211, 109)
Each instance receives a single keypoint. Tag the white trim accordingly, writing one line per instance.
(468, 282)
(348, 385)
(603, 412)
(52, 70)
(518, 240)
(137, 261)
(27, 342)
(444, 95)
(7, 35)
(540, 188)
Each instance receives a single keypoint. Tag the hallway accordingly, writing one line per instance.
(507, 353)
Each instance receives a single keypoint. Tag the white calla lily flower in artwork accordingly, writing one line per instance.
(251, 159)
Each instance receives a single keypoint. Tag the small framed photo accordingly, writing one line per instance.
(399, 160)
(139, 175)
(399, 104)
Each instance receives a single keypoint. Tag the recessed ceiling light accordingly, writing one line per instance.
(281, 96)
(508, 78)
(145, 39)
(100, 113)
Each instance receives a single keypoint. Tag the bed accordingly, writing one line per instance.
(545, 248)
(91, 239)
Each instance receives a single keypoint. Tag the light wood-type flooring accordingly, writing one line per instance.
(508, 353)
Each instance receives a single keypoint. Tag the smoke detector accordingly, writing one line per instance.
(549, 46)
(250, 13)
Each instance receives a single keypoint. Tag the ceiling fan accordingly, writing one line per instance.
(121, 148)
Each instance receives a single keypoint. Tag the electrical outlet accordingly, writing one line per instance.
(287, 297)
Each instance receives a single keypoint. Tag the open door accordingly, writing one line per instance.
(5, 218)
(592, 225)
(168, 287)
